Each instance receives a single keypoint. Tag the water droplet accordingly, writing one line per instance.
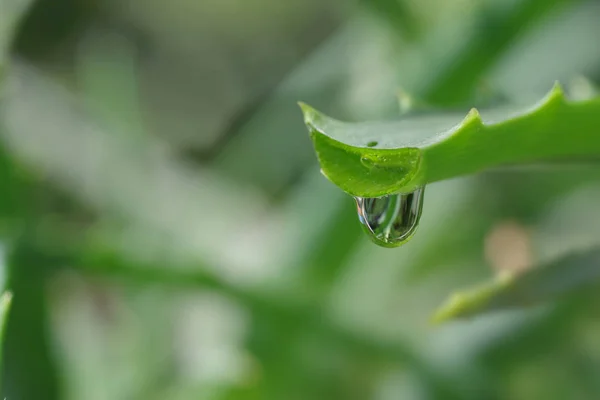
(367, 162)
(391, 221)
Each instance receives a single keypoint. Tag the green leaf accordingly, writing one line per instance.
(372, 159)
(5, 301)
(399, 15)
(27, 352)
(568, 274)
(14, 180)
(497, 27)
(11, 12)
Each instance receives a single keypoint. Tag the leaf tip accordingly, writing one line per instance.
(473, 113)
(556, 94)
(473, 301)
(304, 107)
(554, 98)
(449, 310)
(307, 111)
(473, 118)
(314, 119)
(557, 87)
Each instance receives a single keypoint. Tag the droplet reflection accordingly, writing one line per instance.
(391, 221)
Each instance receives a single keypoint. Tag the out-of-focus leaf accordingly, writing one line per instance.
(290, 313)
(398, 14)
(5, 301)
(11, 177)
(497, 26)
(571, 273)
(25, 357)
(27, 353)
(11, 12)
(374, 159)
(138, 183)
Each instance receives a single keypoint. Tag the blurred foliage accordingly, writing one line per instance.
(165, 232)
(572, 273)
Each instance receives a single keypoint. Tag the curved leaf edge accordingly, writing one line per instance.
(405, 167)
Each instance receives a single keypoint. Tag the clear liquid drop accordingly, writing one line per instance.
(390, 221)
(367, 162)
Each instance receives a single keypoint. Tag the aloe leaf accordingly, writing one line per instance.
(568, 274)
(371, 159)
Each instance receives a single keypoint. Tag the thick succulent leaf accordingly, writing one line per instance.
(568, 274)
(372, 159)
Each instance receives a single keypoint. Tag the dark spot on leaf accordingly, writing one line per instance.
(372, 144)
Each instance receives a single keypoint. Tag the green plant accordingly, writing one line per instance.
(375, 159)
(167, 234)
(383, 158)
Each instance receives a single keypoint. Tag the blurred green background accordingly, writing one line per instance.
(166, 233)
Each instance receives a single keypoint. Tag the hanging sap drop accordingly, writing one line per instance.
(391, 221)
